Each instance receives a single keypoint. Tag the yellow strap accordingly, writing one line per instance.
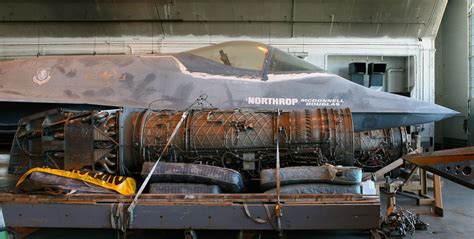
(120, 184)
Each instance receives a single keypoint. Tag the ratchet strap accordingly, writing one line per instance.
(278, 208)
(199, 101)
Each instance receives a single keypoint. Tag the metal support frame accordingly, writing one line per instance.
(421, 189)
(198, 211)
(418, 191)
(453, 164)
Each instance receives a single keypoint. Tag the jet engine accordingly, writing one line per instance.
(119, 141)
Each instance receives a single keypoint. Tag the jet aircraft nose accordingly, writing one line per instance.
(444, 112)
(377, 110)
(410, 112)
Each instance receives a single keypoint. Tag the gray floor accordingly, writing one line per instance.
(458, 220)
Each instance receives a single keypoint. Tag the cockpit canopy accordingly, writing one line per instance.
(254, 57)
(240, 54)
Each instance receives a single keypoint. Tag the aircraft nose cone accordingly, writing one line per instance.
(443, 112)
(446, 111)
(373, 109)
(390, 110)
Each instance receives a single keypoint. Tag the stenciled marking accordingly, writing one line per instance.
(271, 101)
(293, 101)
(42, 76)
(322, 102)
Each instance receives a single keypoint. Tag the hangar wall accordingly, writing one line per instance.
(30, 27)
(452, 73)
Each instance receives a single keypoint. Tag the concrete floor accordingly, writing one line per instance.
(458, 220)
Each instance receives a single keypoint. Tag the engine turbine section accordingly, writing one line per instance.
(377, 148)
(66, 140)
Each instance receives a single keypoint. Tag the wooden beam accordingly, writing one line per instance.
(438, 196)
(379, 173)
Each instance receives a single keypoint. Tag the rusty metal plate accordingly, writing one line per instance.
(453, 164)
(78, 145)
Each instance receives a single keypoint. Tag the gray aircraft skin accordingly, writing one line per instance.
(232, 74)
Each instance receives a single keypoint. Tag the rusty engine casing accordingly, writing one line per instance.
(119, 141)
(245, 140)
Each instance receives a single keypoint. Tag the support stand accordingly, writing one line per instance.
(420, 191)
(416, 189)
